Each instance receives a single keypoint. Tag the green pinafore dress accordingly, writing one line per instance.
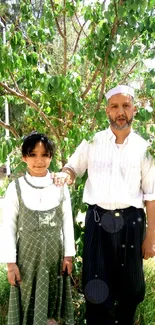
(44, 292)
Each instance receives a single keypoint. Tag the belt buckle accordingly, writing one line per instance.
(117, 214)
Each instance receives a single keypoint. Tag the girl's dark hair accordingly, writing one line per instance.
(32, 139)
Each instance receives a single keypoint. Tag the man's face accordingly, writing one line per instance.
(120, 111)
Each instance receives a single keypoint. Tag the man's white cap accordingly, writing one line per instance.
(121, 89)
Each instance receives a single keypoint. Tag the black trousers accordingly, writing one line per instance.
(113, 279)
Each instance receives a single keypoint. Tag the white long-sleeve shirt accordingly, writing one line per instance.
(118, 176)
(35, 199)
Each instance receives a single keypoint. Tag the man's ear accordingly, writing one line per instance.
(135, 110)
(107, 110)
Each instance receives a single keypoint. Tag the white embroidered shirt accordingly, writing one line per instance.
(118, 177)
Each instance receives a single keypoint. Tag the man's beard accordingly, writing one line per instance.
(120, 127)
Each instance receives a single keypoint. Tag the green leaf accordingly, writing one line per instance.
(4, 152)
(143, 115)
(9, 145)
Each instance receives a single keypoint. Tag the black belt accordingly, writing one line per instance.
(97, 207)
(111, 220)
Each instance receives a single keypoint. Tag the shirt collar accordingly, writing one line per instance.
(111, 135)
(40, 181)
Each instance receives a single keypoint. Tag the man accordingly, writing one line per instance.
(120, 183)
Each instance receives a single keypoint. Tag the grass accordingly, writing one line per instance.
(146, 310)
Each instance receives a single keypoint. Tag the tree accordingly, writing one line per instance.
(61, 57)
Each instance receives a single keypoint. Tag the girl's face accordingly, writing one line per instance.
(38, 161)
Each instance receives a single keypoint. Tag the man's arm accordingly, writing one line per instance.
(76, 166)
(148, 247)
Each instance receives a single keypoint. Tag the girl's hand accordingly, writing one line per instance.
(67, 265)
(14, 274)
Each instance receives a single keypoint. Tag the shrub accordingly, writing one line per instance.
(4, 186)
(4, 294)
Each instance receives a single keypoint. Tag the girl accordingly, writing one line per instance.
(39, 232)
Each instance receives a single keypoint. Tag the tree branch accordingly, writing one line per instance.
(65, 39)
(30, 102)
(74, 26)
(58, 119)
(15, 83)
(113, 33)
(77, 40)
(60, 114)
(56, 20)
(11, 129)
(129, 72)
(102, 83)
(92, 80)
(103, 3)
(115, 6)
(79, 21)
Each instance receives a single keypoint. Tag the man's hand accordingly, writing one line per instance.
(148, 247)
(67, 265)
(13, 274)
(66, 176)
(59, 179)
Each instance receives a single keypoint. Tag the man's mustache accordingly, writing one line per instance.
(121, 118)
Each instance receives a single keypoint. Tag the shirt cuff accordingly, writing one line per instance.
(8, 257)
(69, 252)
(149, 197)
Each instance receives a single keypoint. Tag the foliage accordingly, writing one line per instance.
(4, 295)
(55, 69)
(151, 148)
(4, 186)
(4, 286)
(146, 313)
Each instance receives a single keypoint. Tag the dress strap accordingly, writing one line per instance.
(18, 189)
